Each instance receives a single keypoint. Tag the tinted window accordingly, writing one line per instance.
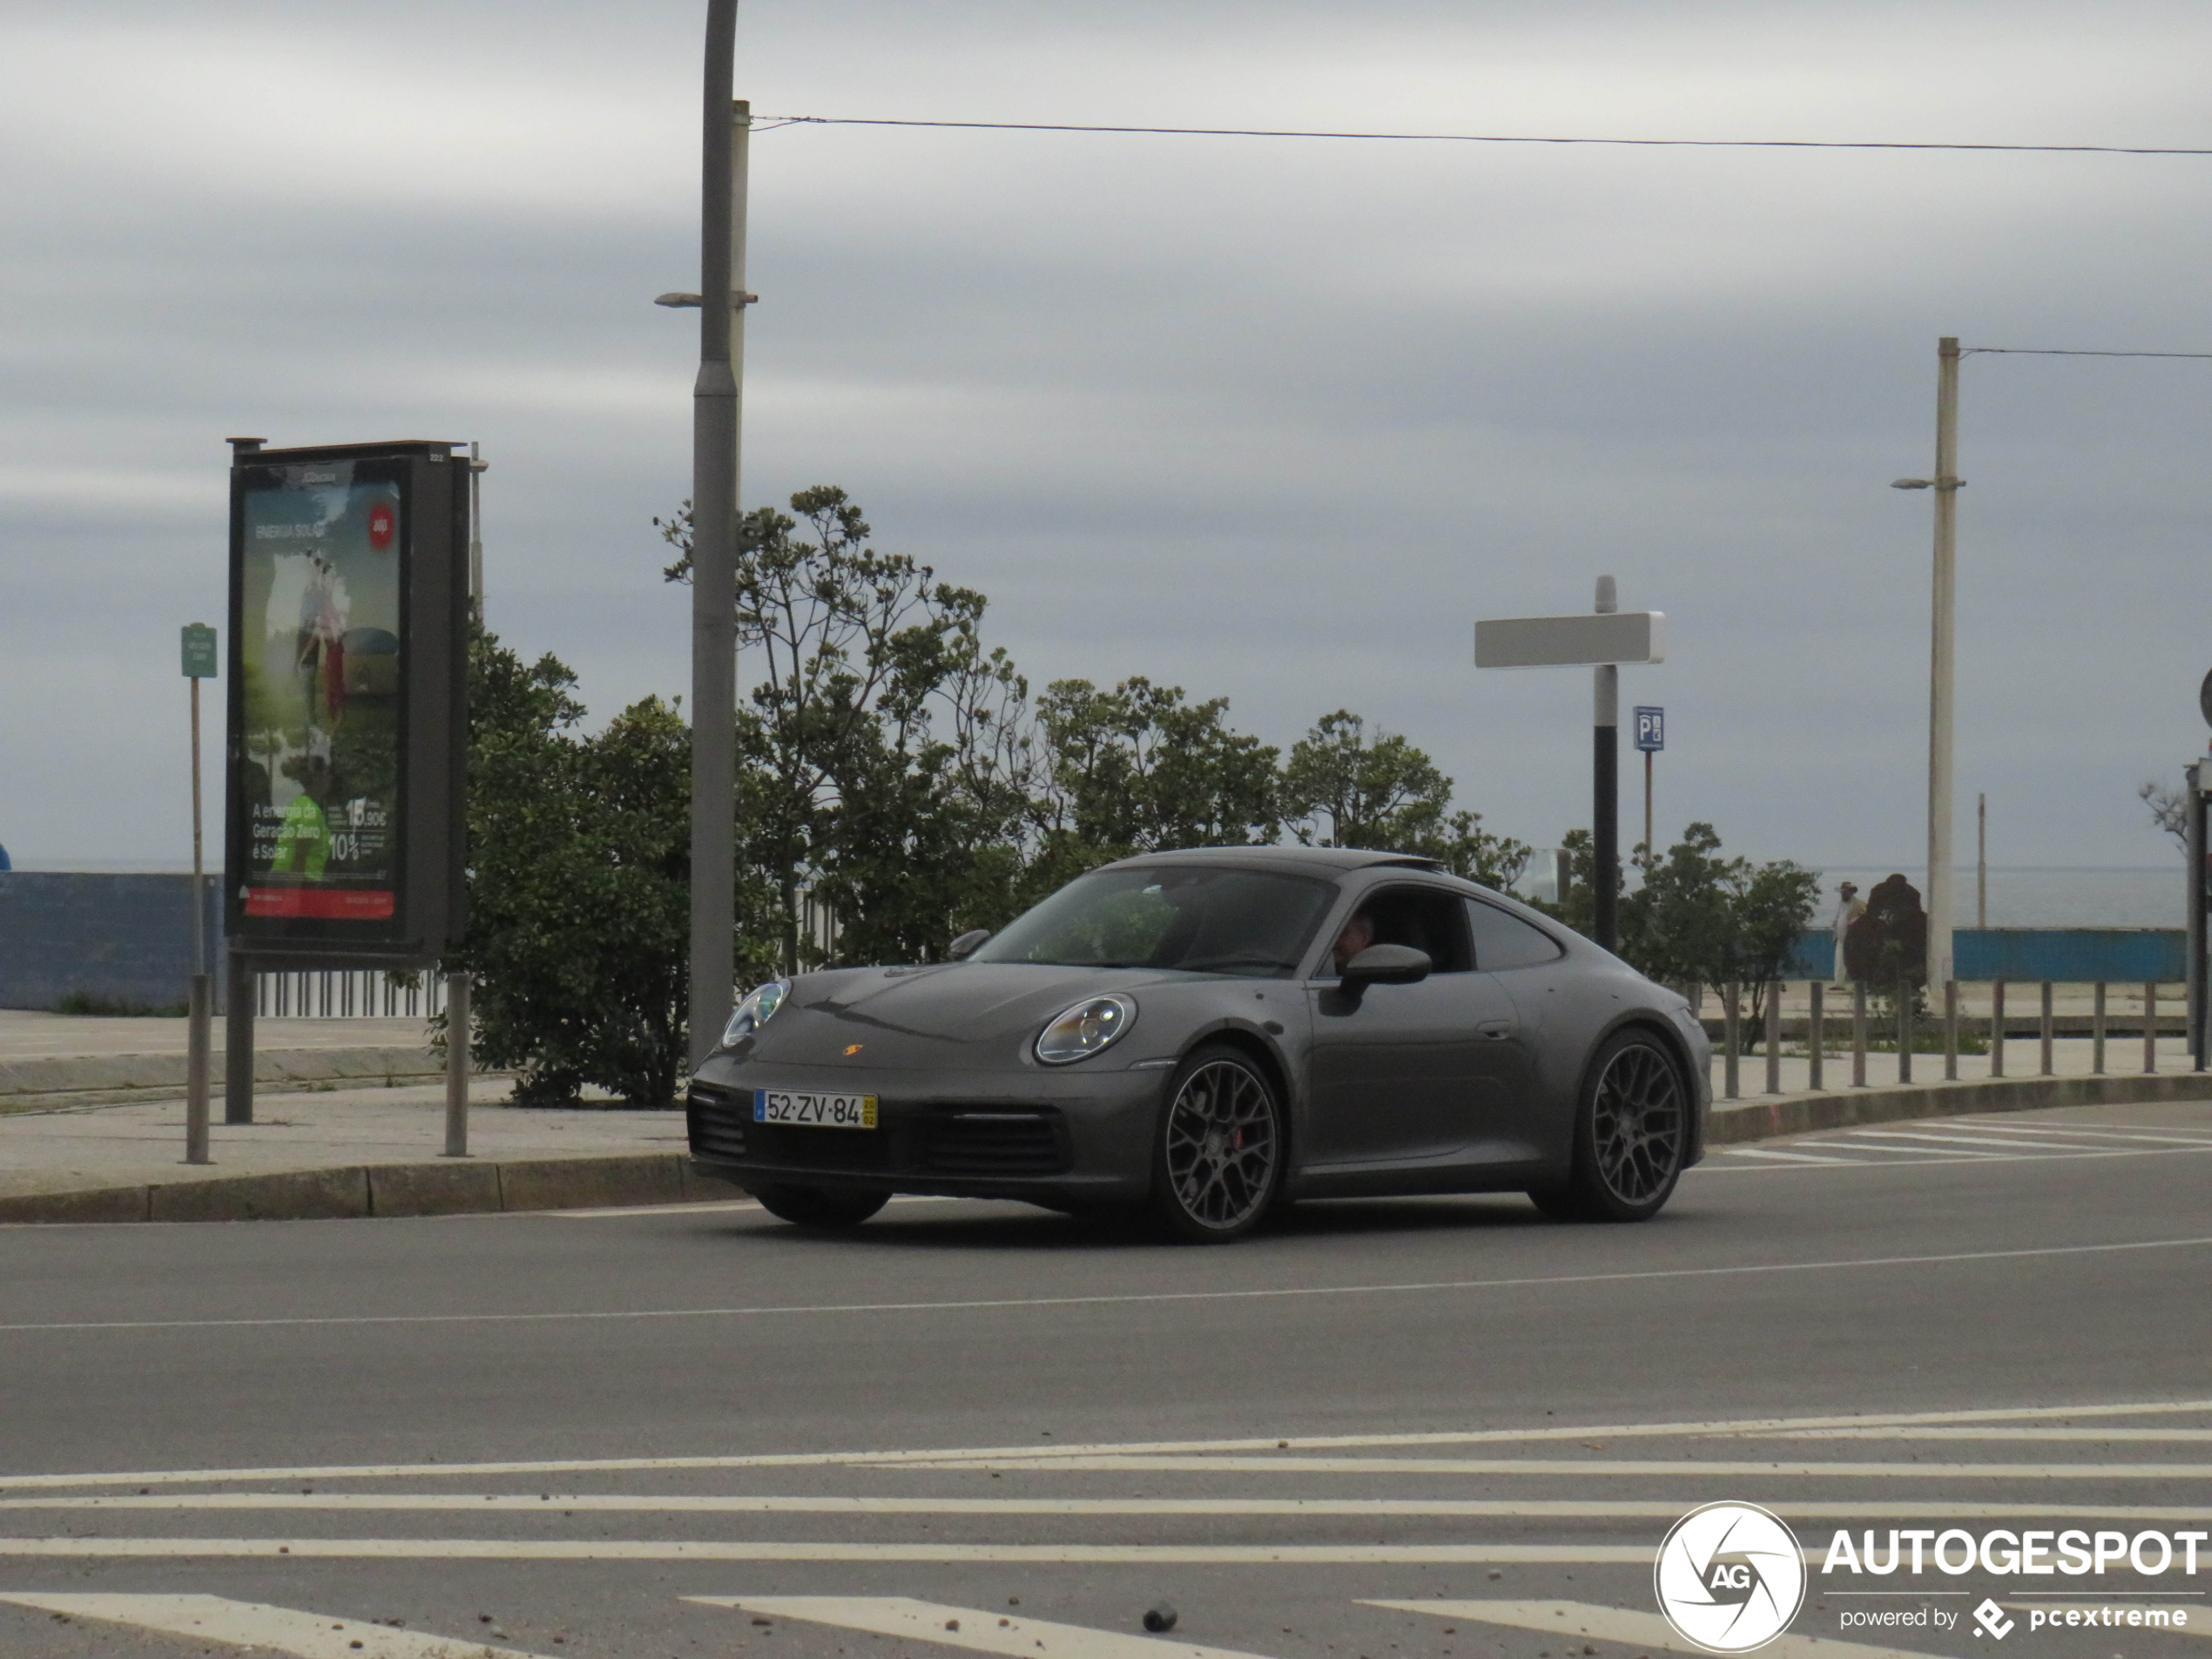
(1252, 923)
(1501, 941)
(1421, 918)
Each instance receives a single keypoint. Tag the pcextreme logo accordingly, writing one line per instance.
(1729, 1577)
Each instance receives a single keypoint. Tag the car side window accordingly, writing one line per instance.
(1428, 920)
(1502, 941)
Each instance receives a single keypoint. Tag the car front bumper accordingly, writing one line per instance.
(1071, 1137)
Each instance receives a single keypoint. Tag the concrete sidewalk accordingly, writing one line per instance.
(340, 1152)
(53, 1060)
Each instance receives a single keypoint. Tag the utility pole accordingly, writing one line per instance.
(1981, 861)
(1942, 662)
(714, 531)
(1605, 797)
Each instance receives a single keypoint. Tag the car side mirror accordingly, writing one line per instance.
(1386, 965)
(967, 945)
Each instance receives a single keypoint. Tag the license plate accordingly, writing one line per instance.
(817, 1112)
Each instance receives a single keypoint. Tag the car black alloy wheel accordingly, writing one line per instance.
(821, 1207)
(1631, 1135)
(1219, 1161)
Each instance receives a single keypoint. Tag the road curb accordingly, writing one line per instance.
(456, 1188)
(465, 1186)
(1734, 1122)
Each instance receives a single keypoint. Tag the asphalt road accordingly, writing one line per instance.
(550, 1434)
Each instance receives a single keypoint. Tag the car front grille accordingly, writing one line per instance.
(994, 1142)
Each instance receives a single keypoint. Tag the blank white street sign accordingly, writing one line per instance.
(1586, 641)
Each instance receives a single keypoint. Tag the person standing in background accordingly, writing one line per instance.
(1849, 908)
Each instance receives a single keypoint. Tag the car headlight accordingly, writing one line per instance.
(756, 1010)
(1085, 1028)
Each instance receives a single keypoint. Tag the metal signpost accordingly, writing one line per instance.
(2198, 847)
(1600, 641)
(200, 664)
(1651, 737)
(347, 730)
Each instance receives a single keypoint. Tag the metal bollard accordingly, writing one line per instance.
(2097, 1033)
(1774, 1036)
(2150, 1025)
(1997, 1027)
(2047, 1032)
(1816, 1037)
(1731, 1035)
(1904, 1032)
(1951, 1030)
(1858, 1034)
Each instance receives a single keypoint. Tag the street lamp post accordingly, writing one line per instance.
(1942, 661)
(714, 532)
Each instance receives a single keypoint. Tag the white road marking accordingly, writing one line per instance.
(646, 1549)
(1619, 1624)
(1964, 1432)
(1753, 1427)
(604, 1503)
(1785, 1157)
(2040, 1252)
(908, 1620)
(1982, 1138)
(274, 1630)
(1555, 1468)
(2123, 1132)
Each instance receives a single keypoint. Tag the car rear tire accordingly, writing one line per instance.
(1631, 1133)
(827, 1208)
(1218, 1158)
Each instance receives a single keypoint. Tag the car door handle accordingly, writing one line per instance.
(1495, 1030)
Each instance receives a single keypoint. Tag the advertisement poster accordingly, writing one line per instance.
(319, 643)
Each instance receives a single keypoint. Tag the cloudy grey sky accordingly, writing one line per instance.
(1274, 419)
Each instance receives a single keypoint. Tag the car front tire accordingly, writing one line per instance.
(1631, 1134)
(1218, 1155)
(826, 1208)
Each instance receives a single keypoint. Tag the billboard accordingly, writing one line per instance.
(347, 721)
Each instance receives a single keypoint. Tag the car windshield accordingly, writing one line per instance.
(1200, 920)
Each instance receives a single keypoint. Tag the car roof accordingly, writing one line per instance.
(1332, 860)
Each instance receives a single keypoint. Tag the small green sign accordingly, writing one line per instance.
(199, 651)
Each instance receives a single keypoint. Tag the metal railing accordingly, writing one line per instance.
(1909, 1027)
(346, 994)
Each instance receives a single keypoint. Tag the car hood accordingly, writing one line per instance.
(948, 1014)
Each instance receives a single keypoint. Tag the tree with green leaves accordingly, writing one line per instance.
(884, 754)
(1141, 768)
(1342, 787)
(1699, 918)
(578, 880)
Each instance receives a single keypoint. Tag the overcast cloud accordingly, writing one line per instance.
(1273, 420)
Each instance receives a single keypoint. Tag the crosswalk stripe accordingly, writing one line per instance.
(1965, 1431)
(1935, 1137)
(1620, 1624)
(656, 1549)
(908, 1620)
(1509, 1508)
(252, 1624)
(1909, 1150)
(2126, 1132)
(1005, 1456)
(1552, 1468)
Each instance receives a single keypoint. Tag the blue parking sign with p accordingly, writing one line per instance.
(1651, 730)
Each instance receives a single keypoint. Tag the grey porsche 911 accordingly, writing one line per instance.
(1208, 1034)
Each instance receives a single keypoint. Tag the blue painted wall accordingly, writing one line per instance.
(2076, 955)
(126, 938)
